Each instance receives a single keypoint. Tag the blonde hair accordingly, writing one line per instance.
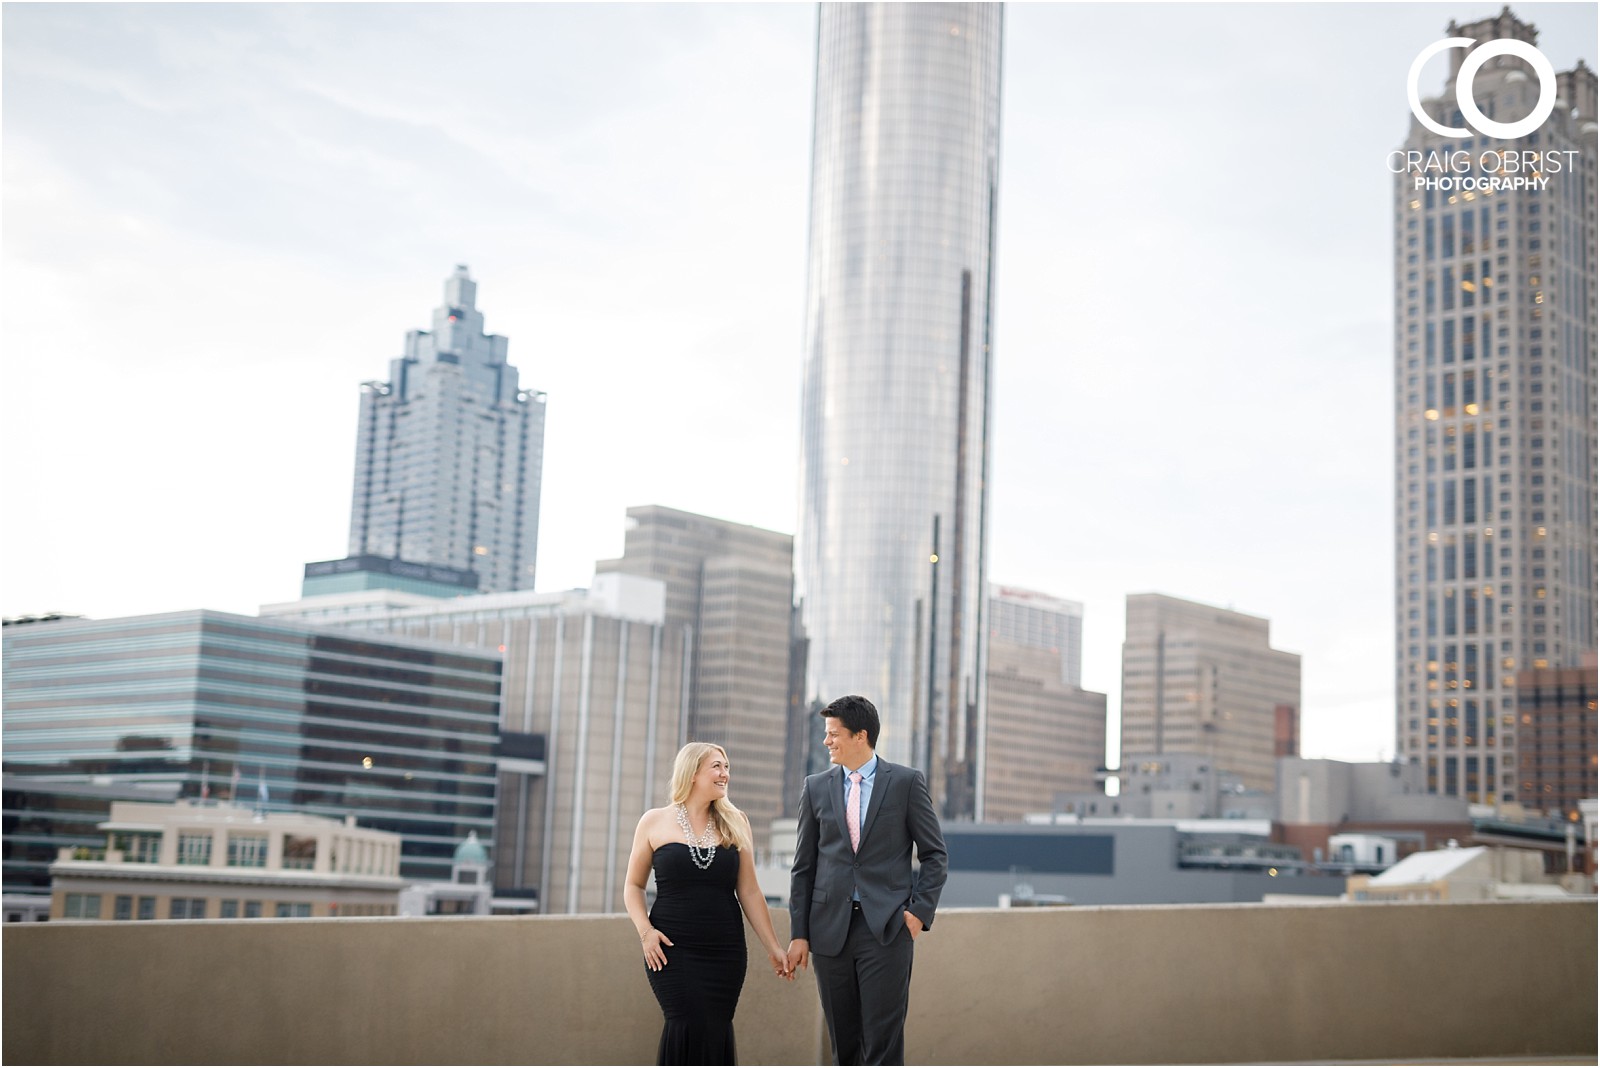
(732, 825)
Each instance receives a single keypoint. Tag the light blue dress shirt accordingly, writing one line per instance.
(867, 770)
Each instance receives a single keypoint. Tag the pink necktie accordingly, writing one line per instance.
(852, 810)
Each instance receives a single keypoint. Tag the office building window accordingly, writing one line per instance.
(247, 851)
(299, 853)
(188, 908)
(194, 848)
(83, 907)
(138, 848)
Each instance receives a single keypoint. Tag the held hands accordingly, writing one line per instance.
(799, 955)
(780, 962)
(655, 958)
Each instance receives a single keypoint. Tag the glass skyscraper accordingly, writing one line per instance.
(895, 415)
(450, 451)
(400, 734)
(1494, 351)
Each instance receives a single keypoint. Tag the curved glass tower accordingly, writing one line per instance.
(895, 411)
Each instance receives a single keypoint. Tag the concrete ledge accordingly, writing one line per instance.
(1115, 985)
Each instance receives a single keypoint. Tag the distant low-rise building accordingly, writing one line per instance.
(188, 861)
(1567, 850)
(1475, 873)
(359, 573)
(1320, 799)
(469, 891)
(43, 815)
(1172, 786)
(1119, 861)
(1367, 853)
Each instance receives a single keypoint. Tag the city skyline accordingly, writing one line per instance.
(219, 216)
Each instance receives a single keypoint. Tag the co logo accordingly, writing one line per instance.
(1469, 70)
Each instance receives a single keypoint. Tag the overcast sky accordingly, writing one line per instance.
(220, 220)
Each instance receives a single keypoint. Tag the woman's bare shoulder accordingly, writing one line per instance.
(659, 825)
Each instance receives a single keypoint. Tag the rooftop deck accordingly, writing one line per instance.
(1422, 983)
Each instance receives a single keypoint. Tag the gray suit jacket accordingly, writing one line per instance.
(899, 815)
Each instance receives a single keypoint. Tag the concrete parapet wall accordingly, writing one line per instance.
(1148, 984)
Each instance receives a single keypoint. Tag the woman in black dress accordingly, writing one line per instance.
(693, 940)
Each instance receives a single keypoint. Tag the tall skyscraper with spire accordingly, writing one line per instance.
(895, 416)
(1494, 434)
(449, 453)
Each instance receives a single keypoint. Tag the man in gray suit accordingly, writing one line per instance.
(855, 906)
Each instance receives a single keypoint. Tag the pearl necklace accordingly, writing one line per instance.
(702, 850)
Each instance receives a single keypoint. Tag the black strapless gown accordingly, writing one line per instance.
(699, 988)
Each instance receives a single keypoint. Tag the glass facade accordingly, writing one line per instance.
(401, 735)
(1494, 345)
(450, 451)
(896, 370)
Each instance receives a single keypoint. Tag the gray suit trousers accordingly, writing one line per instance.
(865, 990)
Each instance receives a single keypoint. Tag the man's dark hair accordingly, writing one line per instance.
(856, 714)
